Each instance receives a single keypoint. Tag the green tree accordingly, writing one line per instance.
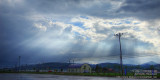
(151, 67)
(97, 69)
(138, 67)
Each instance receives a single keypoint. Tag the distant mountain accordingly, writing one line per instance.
(150, 63)
(108, 64)
(50, 65)
(114, 66)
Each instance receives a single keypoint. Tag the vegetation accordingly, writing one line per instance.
(82, 74)
(66, 73)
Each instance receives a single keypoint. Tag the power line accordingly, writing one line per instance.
(114, 57)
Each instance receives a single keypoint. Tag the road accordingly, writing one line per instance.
(13, 76)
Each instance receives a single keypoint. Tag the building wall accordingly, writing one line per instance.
(85, 68)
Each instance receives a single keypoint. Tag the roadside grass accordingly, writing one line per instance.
(83, 74)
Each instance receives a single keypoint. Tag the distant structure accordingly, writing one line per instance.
(80, 68)
(19, 63)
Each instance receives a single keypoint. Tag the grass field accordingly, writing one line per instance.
(81, 74)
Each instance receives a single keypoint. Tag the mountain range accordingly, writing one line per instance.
(114, 66)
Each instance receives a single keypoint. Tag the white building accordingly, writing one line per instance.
(80, 68)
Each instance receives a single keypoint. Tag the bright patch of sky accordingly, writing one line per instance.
(79, 24)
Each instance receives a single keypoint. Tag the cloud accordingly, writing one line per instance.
(60, 30)
(40, 27)
(142, 9)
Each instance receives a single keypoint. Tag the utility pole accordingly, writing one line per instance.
(121, 62)
(19, 63)
(73, 61)
(69, 61)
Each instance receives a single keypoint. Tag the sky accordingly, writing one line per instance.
(81, 30)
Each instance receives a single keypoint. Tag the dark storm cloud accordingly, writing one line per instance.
(13, 31)
(60, 7)
(142, 9)
(71, 7)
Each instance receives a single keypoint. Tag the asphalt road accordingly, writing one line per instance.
(13, 76)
